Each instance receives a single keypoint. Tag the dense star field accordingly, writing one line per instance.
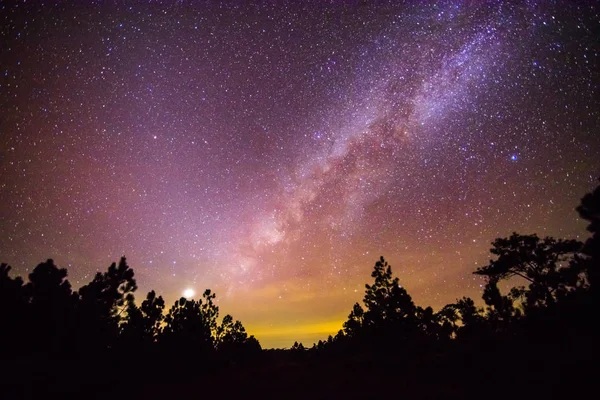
(273, 152)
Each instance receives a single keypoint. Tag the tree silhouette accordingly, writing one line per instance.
(389, 318)
(429, 323)
(447, 318)
(501, 310)
(471, 318)
(14, 303)
(233, 343)
(545, 319)
(544, 263)
(353, 326)
(210, 311)
(385, 300)
(101, 306)
(142, 325)
(187, 329)
(50, 308)
(231, 332)
(589, 210)
(298, 347)
(152, 310)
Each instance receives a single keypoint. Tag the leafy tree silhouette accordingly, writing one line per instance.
(447, 319)
(546, 322)
(429, 323)
(101, 306)
(390, 317)
(210, 311)
(389, 320)
(472, 318)
(230, 331)
(187, 330)
(386, 300)
(353, 326)
(233, 343)
(580, 307)
(14, 303)
(152, 310)
(50, 308)
(142, 325)
(297, 347)
(501, 309)
(544, 263)
(589, 210)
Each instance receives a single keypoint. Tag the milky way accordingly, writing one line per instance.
(273, 152)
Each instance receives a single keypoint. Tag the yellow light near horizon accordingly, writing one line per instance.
(189, 293)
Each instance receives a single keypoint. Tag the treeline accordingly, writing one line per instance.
(540, 338)
(552, 305)
(45, 319)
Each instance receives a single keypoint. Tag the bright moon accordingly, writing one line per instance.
(188, 293)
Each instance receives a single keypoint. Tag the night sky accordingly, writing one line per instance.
(273, 152)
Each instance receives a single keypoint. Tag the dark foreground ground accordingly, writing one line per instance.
(488, 375)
